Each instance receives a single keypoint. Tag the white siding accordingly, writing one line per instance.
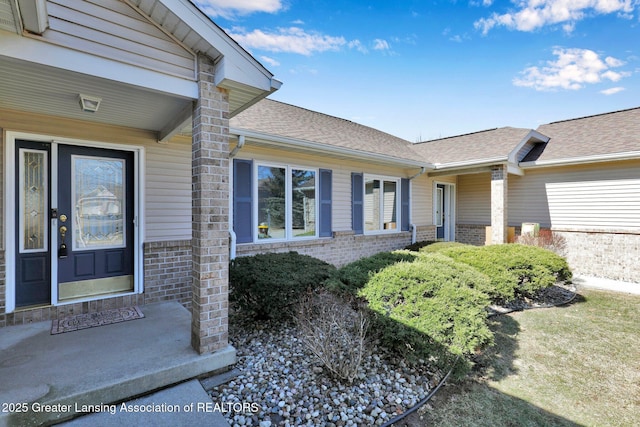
(114, 30)
(604, 196)
(421, 195)
(168, 191)
(474, 199)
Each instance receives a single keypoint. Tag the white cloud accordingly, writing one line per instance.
(289, 40)
(357, 45)
(379, 44)
(572, 70)
(231, 8)
(612, 91)
(534, 14)
(270, 61)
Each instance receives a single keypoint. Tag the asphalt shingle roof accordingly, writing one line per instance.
(610, 133)
(488, 144)
(277, 118)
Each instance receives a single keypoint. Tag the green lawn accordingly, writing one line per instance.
(572, 365)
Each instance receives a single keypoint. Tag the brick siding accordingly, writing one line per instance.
(167, 272)
(343, 248)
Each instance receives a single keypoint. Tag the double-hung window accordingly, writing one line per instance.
(274, 202)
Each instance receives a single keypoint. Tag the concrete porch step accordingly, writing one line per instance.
(102, 365)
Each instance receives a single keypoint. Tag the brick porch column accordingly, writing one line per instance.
(210, 210)
(499, 186)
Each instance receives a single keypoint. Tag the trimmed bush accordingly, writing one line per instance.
(441, 246)
(430, 308)
(268, 285)
(355, 275)
(516, 271)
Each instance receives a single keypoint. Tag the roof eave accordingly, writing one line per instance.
(570, 161)
(317, 147)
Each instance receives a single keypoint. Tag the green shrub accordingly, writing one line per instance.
(430, 308)
(441, 246)
(267, 285)
(515, 270)
(352, 277)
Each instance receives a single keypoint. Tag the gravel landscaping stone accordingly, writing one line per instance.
(289, 387)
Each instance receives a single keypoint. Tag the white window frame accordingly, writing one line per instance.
(288, 202)
(382, 178)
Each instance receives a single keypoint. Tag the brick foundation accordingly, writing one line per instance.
(343, 248)
(471, 234)
(167, 277)
(167, 272)
(607, 255)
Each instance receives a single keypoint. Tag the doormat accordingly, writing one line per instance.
(91, 320)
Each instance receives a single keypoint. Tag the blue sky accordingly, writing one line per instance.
(427, 69)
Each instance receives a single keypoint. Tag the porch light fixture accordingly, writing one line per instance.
(89, 104)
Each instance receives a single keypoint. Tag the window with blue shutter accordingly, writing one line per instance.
(325, 190)
(243, 200)
(404, 197)
(357, 206)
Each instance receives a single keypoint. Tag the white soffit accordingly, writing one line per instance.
(40, 89)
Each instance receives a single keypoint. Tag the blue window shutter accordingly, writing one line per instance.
(357, 205)
(243, 200)
(325, 191)
(404, 207)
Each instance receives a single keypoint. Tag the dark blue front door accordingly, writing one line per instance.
(95, 222)
(92, 212)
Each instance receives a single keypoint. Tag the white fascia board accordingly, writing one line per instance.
(532, 135)
(471, 163)
(32, 50)
(249, 71)
(569, 161)
(277, 140)
(512, 168)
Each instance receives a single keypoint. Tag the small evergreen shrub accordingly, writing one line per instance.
(268, 285)
(430, 308)
(441, 246)
(352, 277)
(515, 270)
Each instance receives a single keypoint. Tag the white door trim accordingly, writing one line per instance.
(449, 201)
(10, 211)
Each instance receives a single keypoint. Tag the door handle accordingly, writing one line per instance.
(62, 251)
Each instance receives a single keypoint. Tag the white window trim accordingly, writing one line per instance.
(288, 202)
(367, 177)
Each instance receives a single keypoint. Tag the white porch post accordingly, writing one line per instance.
(499, 186)
(210, 210)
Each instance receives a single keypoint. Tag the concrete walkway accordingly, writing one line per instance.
(101, 366)
(606, 284)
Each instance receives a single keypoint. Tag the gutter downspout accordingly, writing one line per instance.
(232, 234)
(414, 231)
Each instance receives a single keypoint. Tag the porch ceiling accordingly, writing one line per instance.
(36, 88)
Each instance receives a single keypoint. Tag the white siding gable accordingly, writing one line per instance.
(114, 30)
